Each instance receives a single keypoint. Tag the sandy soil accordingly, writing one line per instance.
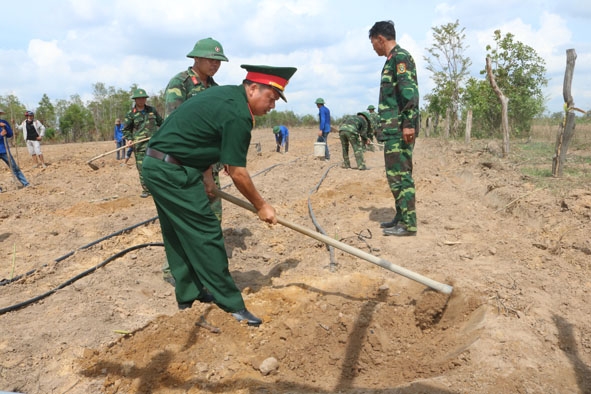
(84, 242)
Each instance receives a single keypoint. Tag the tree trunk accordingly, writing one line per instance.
(567, 128)
(504, 107)
(447, 123)
(468, 127)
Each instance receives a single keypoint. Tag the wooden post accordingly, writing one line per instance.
(468, 127)
(567, 128)
(447, 123)
(504, 107)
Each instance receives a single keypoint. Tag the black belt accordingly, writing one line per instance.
(162, 156)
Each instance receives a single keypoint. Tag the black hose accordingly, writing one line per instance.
(8, 281)
(74, 279)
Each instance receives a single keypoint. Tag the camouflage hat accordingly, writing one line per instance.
(139, 93)
(276, 129)
(370, 107)
(276, 77)
(319, 100)
(209, 49)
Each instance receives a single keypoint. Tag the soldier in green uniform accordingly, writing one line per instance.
(140, 123)
(399, 113)
(208, 55)
(214, 126)
(354, 131)
(374, 120)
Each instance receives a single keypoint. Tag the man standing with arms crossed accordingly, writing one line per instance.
(208, 56)
(399, 117)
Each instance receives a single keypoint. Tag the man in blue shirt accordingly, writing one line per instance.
(324, 120)
(5, 133)
(281, 138)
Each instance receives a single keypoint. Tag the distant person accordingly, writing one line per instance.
(374, 120)
(5, 134)
(141, 122)
(207, 55)
(214, 126)
(119, 139)
(281, 138)
(354, 131)
(33, 132)
(399, 113)
(324, 125)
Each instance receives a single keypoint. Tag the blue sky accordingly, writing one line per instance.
(62, 48)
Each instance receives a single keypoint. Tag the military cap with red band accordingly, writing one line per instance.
(276, 77)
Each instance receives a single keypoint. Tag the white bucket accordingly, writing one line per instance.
(319, 149)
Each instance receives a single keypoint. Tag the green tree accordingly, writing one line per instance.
(46, 112)
(76, 122)
(449, 67)
(521, 74)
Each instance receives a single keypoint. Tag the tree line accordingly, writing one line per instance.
(519, 72)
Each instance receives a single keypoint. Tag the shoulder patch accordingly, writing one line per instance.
(401, 68)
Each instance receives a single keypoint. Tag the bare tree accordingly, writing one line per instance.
(504, 107)
(567, 127)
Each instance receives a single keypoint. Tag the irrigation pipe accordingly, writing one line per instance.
(441, 287)
(332, 265)
(31, 272)
(74, 279)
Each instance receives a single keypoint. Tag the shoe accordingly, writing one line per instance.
(206, 298)
(363, 168)
(391, 223)
(345, 166)
(145, 194)
(399, 231)
(251, 319)
(185, 305)
(43, 165)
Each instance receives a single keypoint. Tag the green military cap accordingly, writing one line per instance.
(370, 107)
(319, 100)
(139, 93)
(276, 129)
(209, 49)
(276, 77)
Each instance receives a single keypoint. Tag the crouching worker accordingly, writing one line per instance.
(354, 131)
(214, 126)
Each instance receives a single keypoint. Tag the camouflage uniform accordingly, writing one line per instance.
(183, 86)
(398, 109)
(354, 130)
(139, 125)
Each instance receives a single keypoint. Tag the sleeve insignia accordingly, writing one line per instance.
(401, 68)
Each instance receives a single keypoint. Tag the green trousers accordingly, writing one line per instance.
(192, 234)
(398, 161)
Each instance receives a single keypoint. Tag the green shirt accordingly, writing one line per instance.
(355, 124)
(141, 124)
(399, 93)
(183, 86)
(214, 126)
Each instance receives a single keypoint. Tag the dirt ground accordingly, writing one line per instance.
(91, 313)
